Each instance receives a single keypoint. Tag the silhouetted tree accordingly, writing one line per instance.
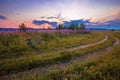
(60, 26)
(73, 26)
(82, 26)
(22, 27)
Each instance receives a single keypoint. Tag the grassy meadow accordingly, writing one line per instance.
(50, 55)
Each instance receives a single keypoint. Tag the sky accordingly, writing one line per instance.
(46, 12)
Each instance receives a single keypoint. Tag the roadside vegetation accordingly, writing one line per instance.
(37, 60)
(116, 33)
(104, 67)
(16, 44)
(24, 51)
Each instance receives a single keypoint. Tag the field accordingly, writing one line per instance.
(60, 55)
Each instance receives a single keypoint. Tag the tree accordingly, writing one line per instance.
(60, 26)
(73, 26)
(22, 27)
(82, 26)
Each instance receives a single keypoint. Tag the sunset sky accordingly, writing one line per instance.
(15, 12)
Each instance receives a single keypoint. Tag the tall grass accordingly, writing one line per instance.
(14, 44)
(116, 33)
(104, 67)
(29, 62)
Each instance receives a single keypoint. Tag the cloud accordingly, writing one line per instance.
(51, 17)
(114, 23)
(3, 17)
(105, 24)
(55, 24)
(68, 23)
(117, 12)
(37, 22)
(41, 22)
(109, 24)
(114, 15)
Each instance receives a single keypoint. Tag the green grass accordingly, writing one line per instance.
(116, 33)
(14, 45)
(33, 61)
(104, 67)
(16, 56)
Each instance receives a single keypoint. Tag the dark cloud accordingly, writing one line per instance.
(3, 17)
(40, 22)
(68, 23)
(51, 17)
(42, 17)
(114, 23)
(111, 24)
(37, 22)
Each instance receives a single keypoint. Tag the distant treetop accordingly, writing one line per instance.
(22, 27)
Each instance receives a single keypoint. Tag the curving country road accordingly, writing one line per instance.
(81, 58)
(88, 56)
(88, 45)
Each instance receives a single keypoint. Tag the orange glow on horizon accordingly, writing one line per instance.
(14, 24)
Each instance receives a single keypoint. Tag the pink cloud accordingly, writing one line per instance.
(8, 23)
(14, 24)
(113, 16)
(116, 14)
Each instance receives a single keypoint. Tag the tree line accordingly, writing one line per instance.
(73, 26)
